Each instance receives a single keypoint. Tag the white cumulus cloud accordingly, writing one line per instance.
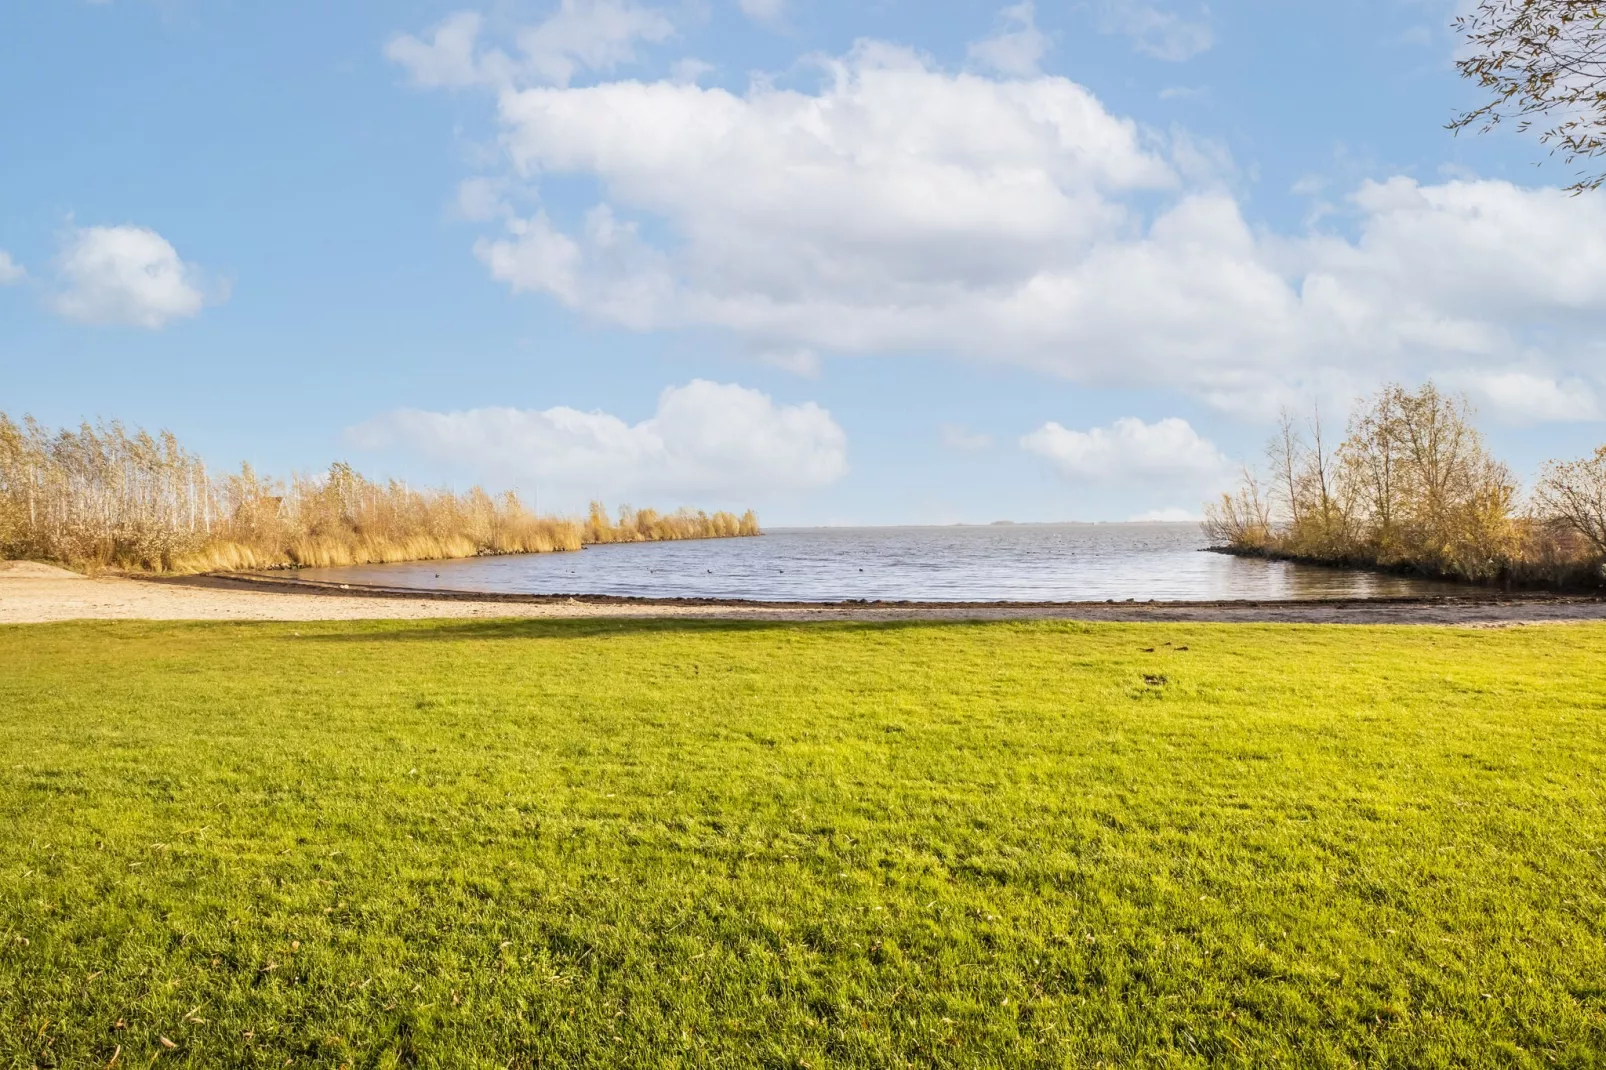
(900, 207)
(1018, 47)
(125, 275)
(705, 438)
(874, 215)
(763, 10)
(448, 57)
(581, 35)
(1128, 449)
(1157, 31)
(10, 270)
(1526, 397)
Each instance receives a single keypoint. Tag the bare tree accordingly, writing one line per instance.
(1544, 61)
(1287, 453)
(1242, 520)
(1331, 500)
(1371, 463)
(1315, 507)
(1574, 492)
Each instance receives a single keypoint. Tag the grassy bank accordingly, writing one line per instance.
(639, 844)
(1576, 576)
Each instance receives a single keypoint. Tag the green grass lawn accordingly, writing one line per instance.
(614, 844)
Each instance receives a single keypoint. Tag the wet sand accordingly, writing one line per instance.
(33, 594)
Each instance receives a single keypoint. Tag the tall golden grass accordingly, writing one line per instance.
(101, 496)
(1412, 487)
(649, 525)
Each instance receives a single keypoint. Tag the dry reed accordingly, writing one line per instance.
(101, 496)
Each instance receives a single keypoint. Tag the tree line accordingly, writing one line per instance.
(1413, 487)
(103, 496)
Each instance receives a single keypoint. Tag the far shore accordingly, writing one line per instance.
(32, 593)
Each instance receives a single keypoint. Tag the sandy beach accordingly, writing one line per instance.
(33, 593)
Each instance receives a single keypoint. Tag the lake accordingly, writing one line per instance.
(1012, 563)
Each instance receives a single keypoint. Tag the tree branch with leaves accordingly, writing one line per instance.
(1544, 63)
(1574, 492)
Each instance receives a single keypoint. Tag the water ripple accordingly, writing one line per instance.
(1019, 563)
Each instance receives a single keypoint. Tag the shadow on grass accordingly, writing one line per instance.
(602, 627)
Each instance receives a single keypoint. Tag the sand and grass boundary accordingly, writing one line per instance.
(32, 593)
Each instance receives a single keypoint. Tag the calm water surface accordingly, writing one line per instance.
(1019, 563)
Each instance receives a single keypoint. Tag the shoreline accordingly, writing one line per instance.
(258, 581)
(1562, 587)
(39, 594)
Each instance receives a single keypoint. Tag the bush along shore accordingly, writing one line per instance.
(1412, 488)
(104, 497)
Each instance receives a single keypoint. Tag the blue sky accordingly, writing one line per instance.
(885, 262)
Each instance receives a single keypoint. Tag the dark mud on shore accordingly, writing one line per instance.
(1481, 609)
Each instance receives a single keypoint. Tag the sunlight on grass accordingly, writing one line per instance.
(644, 844)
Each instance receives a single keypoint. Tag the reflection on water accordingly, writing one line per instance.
(1020, 563)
